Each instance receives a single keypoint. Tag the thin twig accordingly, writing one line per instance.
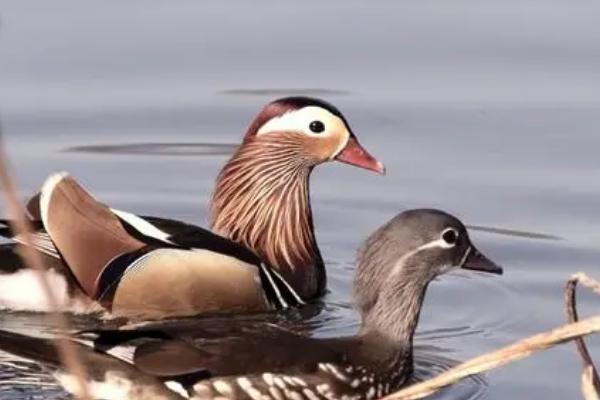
(20, 225)
(497, 358)
(590, 383)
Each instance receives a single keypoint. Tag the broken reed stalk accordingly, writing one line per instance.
(588, 386)
(21, 226)
(590, 383)
(500, 357)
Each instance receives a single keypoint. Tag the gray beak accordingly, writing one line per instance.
(474, 260)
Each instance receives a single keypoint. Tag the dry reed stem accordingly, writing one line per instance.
(590, 383)
(21, 226)
(588, 387)
(497, 358)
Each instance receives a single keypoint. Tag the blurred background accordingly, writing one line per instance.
(488, 110)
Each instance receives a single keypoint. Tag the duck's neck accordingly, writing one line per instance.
(262, 201)
(396, 312)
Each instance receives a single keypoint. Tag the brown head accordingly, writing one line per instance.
(262, 197)
(323, 130)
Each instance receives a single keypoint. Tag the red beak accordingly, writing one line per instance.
(355, 154)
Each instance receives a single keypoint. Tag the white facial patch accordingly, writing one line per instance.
(434, 244)
(300, 120)
(439, 243)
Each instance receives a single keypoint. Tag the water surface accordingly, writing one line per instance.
(486, 110)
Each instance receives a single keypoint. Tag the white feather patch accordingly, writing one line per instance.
(22, 291)
(46, 194)
(177, 388)
(123, 353)
(142, 226)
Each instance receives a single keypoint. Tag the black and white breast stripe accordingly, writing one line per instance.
(279, 293)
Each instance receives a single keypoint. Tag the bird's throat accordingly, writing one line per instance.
(262, 201)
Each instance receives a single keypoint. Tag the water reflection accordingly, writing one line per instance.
(515, 233)
(158, 149)
(429, 362)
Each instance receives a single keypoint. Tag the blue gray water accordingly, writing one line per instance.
(488, 110)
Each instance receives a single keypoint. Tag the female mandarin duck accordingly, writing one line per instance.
(264, 362)
(145, 267)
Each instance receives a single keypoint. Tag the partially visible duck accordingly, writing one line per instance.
(262, 253)
(395, 266)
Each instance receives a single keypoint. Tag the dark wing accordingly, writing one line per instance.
(228, 349)
(192, 236)
(173, 227)
(158, 360)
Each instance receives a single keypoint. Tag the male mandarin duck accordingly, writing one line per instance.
(261, 253)
(236, 361)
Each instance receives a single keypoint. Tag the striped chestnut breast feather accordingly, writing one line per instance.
(262, 201)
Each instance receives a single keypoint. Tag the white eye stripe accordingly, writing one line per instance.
(434, 244)
(439, 243)
(300, 120)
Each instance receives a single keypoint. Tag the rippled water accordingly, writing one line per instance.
(489, 111)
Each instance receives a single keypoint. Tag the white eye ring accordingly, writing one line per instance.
(449, 236)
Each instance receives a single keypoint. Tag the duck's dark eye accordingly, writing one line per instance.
(450, 236)
(317, 126)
